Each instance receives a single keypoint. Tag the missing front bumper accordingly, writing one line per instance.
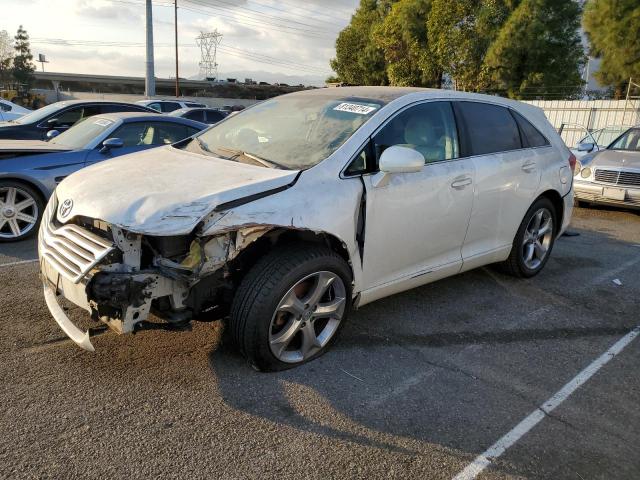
(74, 333)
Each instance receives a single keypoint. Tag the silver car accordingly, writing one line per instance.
(611, 176)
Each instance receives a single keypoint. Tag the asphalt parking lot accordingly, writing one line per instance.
(418, 385)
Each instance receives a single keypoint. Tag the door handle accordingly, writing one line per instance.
(460, 183)
(529, 167)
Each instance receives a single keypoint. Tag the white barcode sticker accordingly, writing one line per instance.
(355, 108)
(103, 122)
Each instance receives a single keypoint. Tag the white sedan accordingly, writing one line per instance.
(286, 216)
(10, 111)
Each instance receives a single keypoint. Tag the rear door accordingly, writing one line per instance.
(507, 175)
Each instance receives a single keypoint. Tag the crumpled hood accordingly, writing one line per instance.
(614, 158)
(163, 191)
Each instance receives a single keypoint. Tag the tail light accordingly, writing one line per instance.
(572, 162)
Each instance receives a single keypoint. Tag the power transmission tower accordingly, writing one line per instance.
(208, 43)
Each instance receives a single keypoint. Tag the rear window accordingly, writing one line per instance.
(487, 128)
(531, 137)
(169, 106)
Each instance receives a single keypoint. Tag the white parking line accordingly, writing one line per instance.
(497, 449)
(21, 262)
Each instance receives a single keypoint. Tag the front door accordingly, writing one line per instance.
(416, 222)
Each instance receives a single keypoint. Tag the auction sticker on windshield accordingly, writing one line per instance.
(355, 108)
(103, 122)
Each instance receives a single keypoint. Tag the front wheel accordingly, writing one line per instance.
(533, 242)
(20, 211)
(290, 306)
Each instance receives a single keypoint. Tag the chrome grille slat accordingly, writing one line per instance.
(71, 249)
(617, 177)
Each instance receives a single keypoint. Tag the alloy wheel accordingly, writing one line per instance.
(537, 238)
(307, 317)
(18, 212)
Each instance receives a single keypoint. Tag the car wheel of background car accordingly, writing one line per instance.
(291, 306)
(21, 208)
(533, 242)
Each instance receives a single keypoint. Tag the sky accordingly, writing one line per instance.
(290, 41)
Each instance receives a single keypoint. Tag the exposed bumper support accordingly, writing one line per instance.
(74, 333)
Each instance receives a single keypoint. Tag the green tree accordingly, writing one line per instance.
(613, 30)
(6, 57)
(402, 36)
(460, 33)
(23, 68)
(359, 61)
(538, 51)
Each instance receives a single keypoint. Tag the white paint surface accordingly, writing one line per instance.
(497, 449)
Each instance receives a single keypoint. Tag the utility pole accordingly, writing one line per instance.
(175, 11)
(150, 79)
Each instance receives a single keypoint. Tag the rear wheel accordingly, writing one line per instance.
(533, 242)
(21, 208)
(290, 306)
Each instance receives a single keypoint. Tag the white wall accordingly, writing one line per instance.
(592, 114)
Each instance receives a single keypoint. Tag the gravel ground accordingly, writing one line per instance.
(417, 386)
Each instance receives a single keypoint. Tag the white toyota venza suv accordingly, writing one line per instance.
(288, 215)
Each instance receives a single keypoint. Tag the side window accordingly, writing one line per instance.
(133, 134)
(169, 106)
(429, 128)
(155, 106)
(197, 115)
(4, 107)
(531, 137)
(214, 117)
(191, 131)
(487, 128)
(91, 110)
(165, 133)
(69, 117)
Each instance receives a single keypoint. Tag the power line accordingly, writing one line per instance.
(233, 51)
(234, 7)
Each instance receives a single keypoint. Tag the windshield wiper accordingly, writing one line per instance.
(235, 154)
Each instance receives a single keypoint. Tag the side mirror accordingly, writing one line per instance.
(397, 159)
(52, 134)
(586, 147)
(52, 123)
(110, 143)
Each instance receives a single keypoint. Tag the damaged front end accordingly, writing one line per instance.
(121, 277)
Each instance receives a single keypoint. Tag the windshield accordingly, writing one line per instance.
(39, 115)
(289, 132)
(82, 133)
(628, 141)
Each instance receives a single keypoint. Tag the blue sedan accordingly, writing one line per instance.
(31, 169)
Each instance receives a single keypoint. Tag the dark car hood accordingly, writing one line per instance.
(30, 147)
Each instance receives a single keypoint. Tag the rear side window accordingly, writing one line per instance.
(531, 137)
(169, 106)
(213, 116)
(487, 128)
(197, 115)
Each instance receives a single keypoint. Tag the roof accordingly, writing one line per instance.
(65, 103)
(158, 117)
(388, 94)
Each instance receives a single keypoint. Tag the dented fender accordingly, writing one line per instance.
(294, 208)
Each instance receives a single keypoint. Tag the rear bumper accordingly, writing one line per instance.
(598, 193)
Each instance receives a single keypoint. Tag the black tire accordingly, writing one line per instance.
(262, 289)
(38, 210)
(515, 265)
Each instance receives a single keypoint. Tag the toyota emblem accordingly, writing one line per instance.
(65, 208)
